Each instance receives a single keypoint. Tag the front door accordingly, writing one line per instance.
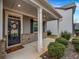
(14, 30)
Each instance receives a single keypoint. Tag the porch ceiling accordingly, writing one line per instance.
(47, 7)
(25, 9)
(47, 16)
(29, 8)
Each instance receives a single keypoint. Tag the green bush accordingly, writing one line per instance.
(76, 46)
(75, 42)
(66, 35)
(49, 33)
(62, 41)
(76, 30)
(56, 49)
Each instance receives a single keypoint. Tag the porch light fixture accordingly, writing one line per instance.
(19, 5)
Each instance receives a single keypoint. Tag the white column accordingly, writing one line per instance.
(58, 27)
(40, 30)
(1, 19)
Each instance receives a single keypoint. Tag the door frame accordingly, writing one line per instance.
(7, 13)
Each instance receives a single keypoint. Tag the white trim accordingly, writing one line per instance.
(6, 26)
(40, 31)
(44, 9)
(1, 19)
(19, 12)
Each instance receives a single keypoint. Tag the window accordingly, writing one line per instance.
(34, 26)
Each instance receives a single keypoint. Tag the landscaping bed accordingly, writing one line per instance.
(62, 48)
(55, 51)
(75, 42)
(47, 56)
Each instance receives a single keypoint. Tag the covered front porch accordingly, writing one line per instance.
(17, 18)
(32, 16)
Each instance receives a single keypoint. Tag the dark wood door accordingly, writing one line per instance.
(14, 31)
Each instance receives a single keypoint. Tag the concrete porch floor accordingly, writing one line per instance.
(29, 51)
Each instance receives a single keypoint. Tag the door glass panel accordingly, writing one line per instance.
(13, 31)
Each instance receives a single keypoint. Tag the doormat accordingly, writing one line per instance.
(14, 48)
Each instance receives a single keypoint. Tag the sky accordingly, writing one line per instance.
(59, 3)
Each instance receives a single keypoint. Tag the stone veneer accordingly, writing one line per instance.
(2, 49)
(27, 38)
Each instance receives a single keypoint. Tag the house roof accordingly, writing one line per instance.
(29, 7)
(51, 8)
(67, 6)
(47, 6)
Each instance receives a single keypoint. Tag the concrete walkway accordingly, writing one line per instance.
(29, 51)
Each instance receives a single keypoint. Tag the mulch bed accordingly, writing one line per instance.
(70, 53)
(52, 36)
(46, 56)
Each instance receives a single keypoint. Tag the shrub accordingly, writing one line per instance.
(75, 42)
(56, 49)
(49, 33)
(76, 46)
(77, 32)
(76, 29)
(62, 41)
(65, 35)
